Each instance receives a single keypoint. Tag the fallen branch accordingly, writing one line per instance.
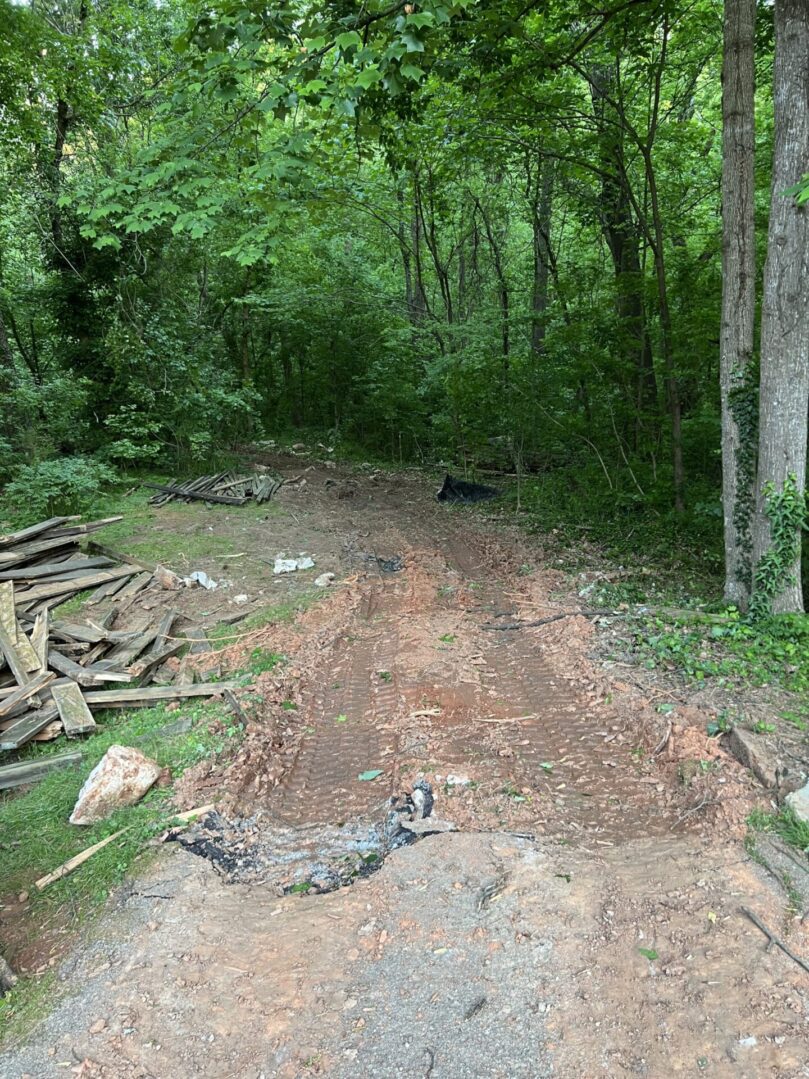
(757, 922)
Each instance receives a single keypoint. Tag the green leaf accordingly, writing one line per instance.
(350, 39)
(368, 77)
(411, 71)
(341, 719)
(372, 774)
(649, 953)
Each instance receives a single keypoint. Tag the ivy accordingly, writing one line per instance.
(743, 402)
(786, 512)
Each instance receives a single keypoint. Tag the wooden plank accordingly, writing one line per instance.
(144, 668)
(76, 631)
(13, 538)
(132, 698)
(48, 591)
(123, 654)
(110, 589)
(40, 637)
(75, 714)
(8, 648)
(47, 734)
(85, 529)
(119, 556)
(79, 859)
(17, 775)
(24, 554)
(85, 676)
(25, 693)
(50, 569)
(131, 588)
(25, 728)
(8, 619)
(199, 495)
(164, 629)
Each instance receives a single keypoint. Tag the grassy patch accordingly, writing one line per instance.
(225, 634)
(29, 1001)
(36, 837)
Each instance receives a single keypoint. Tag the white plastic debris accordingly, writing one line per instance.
(290, 565)
(458, 781)
(200, 577)
(240, 599)
(324, 580)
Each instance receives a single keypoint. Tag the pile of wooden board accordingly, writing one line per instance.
(55, 672)
(229, 488)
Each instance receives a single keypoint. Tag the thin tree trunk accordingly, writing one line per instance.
(784, 388)
(737, 334)
(541, 224)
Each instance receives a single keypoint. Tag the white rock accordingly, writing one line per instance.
(290, 565)
(121, 778)
(458, 781)
(798, 802)
(324, 580)
(240, 599)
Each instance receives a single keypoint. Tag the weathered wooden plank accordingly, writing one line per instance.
(8, 648)
(144, 668)
(120, 556)
(25, 693)
(17, 775)
(50, 569)
(40, 637)
(131, 588)
(48, 591)
(12, 538)
(201, 496)
(85, 676)
(85, 529)
(76, 631)
(105, 591)
(164, 629)
(132, 698)
(8, 618)
(76, 716)
(124, 653)
(23, 554)
(199, 641)
(76, 861)
(27, 726)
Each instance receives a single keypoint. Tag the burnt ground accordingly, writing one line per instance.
(583, 920)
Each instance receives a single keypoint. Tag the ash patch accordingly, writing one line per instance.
(314, 859)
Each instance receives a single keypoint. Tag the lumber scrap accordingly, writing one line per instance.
(201, 496)
(39, 637)
(145, 668)
(25, 693)
(15, 538)
(119, 556)
(78, 859)
(84, 676)
(76, 716)
(126, 698)
(48, 569)
(8, 648)
(164, 629)
(25, 728)
(86, 528)
(24, 772)
(48, 591)
(133, 587)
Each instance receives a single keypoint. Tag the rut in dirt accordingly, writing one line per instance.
(416, 686)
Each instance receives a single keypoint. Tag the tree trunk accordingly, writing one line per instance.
(541, 223)
(784, 387)
(737, 334)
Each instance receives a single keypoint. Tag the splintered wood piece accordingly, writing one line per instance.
(185, 675)
(13, 538)
(145, 668)
(17, 775)
(164, 629)
(109, 589)
(126, 651)
(79, 859)
(39, 637)
(8, 619)
(126, 698)
(85, 676)
(25, 693)
(48, 591)
(74, 631)
(24, 554)
(25, 728)
(26, 651)
(47, 734)
(75, 714)
(131, 588)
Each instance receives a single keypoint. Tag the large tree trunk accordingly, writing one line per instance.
(737, 333)
(784, 389)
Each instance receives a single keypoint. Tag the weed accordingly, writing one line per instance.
(448, 638)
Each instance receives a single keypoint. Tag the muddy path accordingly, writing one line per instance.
(583, 919)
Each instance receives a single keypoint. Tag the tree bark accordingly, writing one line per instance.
(737, 333)
(784, 386)
(541, 227)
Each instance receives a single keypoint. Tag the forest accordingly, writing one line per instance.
(565, 240)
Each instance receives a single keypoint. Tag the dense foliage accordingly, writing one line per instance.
(483, 233)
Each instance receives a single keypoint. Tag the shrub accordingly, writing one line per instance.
(57, 486)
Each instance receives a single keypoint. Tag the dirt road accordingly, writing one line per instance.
(584, 918)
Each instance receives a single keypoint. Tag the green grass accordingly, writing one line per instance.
(36, 836)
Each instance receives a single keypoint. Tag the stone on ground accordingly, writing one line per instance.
(121, 778)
